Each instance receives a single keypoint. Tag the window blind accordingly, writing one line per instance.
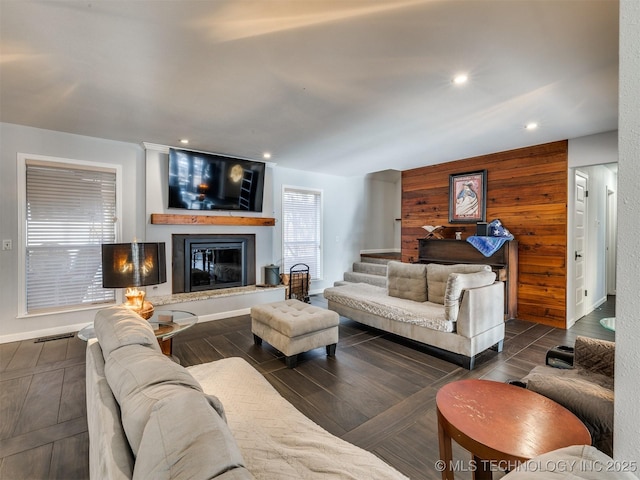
(301, 239)
(70, 212)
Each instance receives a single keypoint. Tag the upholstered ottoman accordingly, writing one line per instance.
(294, 327)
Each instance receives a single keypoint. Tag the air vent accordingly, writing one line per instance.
(53, 337)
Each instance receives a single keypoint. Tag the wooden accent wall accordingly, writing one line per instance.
(527, 191)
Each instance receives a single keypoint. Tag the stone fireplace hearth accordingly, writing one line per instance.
(202, 262)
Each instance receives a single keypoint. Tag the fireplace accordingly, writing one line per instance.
(211, 261)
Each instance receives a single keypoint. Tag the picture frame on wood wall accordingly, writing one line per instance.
(468, 197)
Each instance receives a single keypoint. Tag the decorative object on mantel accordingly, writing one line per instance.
(468, 197)
(497, 235)
(174, 219)
(132, 265)
(482, 229)
(434, 232)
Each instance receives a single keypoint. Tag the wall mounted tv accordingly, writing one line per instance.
(204, 181)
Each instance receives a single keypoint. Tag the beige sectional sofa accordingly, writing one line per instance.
(148, 417)
(458, 309)
(574, 462)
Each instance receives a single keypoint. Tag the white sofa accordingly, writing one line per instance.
(458, 309)
(148, 417)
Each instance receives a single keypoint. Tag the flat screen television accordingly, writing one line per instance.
(204, 181)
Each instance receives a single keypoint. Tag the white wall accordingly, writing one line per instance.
(16, 139)
(627, 413)
(382, 204)
(345, 202)
(594, 149)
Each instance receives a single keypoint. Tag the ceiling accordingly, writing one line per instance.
(334, 86)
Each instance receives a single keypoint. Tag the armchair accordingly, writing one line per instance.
(586, 389)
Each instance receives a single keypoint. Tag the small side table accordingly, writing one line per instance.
(166, 324)
(609, 323)
(501, 424)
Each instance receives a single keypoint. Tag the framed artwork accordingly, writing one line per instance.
(468, 197)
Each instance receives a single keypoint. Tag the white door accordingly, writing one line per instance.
(579, 218)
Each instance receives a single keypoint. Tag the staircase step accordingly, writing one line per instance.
(366, 259)
(355, 277)
(339, 283)
(370, 268)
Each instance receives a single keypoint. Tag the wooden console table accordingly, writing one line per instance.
(504, 262)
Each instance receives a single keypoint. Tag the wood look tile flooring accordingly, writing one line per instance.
(378, 392)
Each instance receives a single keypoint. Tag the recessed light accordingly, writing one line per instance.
(184, 141)
(266, 155)
(460, 79)
(531, 126)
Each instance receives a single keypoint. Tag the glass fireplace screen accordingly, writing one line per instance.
(215, 266)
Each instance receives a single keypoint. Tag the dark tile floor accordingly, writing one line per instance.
(378, 392)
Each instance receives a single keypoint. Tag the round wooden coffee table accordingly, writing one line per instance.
(501, 425)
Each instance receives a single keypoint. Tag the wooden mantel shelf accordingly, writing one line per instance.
(173, 219)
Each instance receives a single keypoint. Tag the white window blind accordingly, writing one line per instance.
(70, 212)
(302, 220)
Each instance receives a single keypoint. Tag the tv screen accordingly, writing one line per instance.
(204, 181)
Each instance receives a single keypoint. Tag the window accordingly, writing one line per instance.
(302, 232)
(69, 211)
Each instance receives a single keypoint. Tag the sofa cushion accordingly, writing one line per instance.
(278, 441)
(588, 395)
(187, 439)
(438, 275)
(457, 283)
(595, 355)
(118, 326)
(407, 280)
(374, 301)
(139, 377)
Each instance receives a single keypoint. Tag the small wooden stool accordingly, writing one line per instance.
(294, 327)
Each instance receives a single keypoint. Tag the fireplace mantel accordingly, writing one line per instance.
(175, 219)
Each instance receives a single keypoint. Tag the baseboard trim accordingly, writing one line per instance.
(381, 250)
(44, 332)
(221, 315)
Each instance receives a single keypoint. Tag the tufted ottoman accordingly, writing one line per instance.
(294, 327)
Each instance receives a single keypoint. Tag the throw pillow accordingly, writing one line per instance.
(407, 280)
(438, 275)
(456, 284)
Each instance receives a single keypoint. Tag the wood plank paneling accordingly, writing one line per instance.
(527, 191)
